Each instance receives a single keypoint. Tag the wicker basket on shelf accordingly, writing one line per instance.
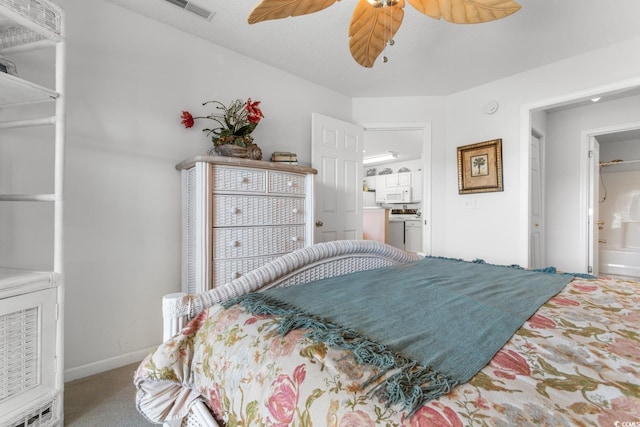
(44, 13)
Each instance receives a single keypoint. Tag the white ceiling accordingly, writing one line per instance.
(429, 57)
(623, 136)
(406, 143)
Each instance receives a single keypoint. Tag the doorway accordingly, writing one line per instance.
(578, 254)
(425, 130)
(613, 184)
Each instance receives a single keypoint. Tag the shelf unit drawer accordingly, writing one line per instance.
(239, 180)
(250, 241)
(234, 211)
(27, 350)
(286, 183)
(225, 271)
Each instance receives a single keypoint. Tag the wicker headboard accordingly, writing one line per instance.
(302, 266)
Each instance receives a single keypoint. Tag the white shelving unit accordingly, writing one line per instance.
(31, 302)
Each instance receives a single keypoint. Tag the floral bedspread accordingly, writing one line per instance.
(576, 362)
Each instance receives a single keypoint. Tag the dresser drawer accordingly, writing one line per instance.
(250, 241)
(230, 211)
(239, 180)
(225, 271)
(286, 183)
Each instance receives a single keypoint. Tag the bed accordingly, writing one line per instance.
(574, 361)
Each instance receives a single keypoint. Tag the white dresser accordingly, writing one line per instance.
(238, 214)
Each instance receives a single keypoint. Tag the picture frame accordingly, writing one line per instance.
(480, 167)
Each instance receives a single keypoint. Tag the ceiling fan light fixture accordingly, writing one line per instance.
(383, 3)
(380, 158)
(375, 22)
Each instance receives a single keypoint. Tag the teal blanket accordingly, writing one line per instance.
(427, 325)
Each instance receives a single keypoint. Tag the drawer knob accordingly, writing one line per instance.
(295, 239)
(234, 244)
(244, 180)
(234, 210)
(289, 183)
(236, 275)
(295, 210)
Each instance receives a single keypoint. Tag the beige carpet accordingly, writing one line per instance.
(103, 400)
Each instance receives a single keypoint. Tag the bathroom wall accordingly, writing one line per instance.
(619, 191)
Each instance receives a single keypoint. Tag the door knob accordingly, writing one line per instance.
(319, 223)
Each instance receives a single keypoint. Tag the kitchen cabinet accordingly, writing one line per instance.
(381, 186)
(383, 183)
(413, 235)
(398, 179)
(416, 186)
(369, 182)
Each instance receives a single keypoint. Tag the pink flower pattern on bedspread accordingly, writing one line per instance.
(575, 362)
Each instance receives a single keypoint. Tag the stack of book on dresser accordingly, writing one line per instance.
(285, 157)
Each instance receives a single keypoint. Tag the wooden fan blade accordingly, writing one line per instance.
(466, 11)
(371, 29)
(276, 9)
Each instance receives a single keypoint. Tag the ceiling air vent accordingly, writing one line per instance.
(193, 8)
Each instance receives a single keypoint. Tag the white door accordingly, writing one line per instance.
(536, 223)
(336, 152)
(594, 201)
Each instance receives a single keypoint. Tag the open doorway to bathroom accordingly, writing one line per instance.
(617, 239)
(571, 231)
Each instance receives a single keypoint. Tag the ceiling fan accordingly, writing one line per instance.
(375, 22)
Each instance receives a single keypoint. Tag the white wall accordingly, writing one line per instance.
(622, 205)
(497, 229)
(129, 78)
(619, 191)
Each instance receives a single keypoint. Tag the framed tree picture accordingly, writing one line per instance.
(480, 167)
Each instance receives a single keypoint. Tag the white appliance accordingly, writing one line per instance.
(400, 194)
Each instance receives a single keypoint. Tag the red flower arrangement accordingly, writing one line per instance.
(237, 122)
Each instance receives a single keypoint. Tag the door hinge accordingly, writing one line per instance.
(590, 154)
(590, 270)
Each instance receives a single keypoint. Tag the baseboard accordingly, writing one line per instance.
(106, 364)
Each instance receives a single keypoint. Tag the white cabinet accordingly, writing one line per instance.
(416, 186)
(29, 394)
(239, 214)
(369, 182)
(31, 303)
(381, 186)
(413, 235)
(398, 179)
(385, 183)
